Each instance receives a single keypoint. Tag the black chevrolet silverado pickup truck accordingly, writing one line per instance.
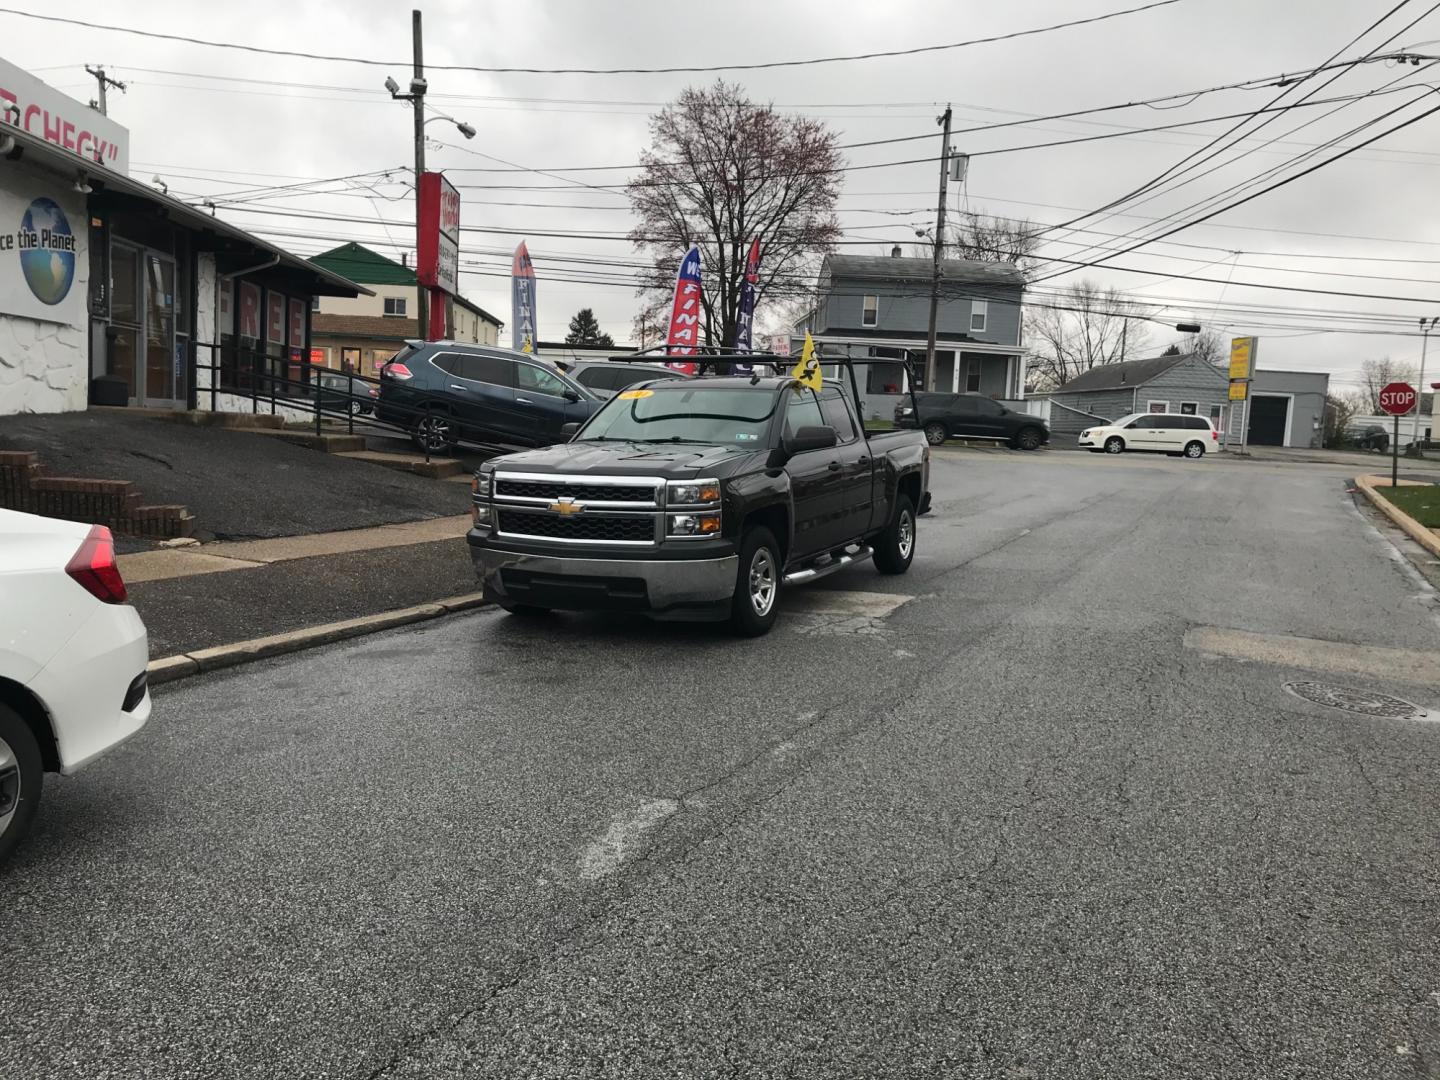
(698, 499)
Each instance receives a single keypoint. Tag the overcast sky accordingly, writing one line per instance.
(302, 120)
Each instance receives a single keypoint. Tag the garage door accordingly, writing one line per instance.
(1268, 416)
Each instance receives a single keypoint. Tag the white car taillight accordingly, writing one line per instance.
(93, 566)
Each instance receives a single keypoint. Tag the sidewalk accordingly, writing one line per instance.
(214, 594)
(1364, 461)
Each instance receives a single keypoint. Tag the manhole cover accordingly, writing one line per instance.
(1365, 702)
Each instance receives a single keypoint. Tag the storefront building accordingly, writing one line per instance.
(113, 293)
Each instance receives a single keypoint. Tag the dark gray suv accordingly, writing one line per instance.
(445, 392)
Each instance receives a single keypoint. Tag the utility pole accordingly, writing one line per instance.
(104, 80)
(1425, 329)
(939, 248)
(417, 99)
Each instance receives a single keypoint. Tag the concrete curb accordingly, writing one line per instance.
(1412, 528)
(183, 665)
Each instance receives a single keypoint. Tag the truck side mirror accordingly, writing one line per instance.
(811, 438)
(568, 430)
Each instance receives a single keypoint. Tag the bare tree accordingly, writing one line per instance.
(1376, 374)
(1341, 408)
(720, 172)
(1208, 346)
(988, 238)
(1086, 327)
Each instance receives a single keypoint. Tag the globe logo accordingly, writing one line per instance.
(47, 251)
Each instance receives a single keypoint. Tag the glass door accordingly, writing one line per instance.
(160, 383)
(127, 319)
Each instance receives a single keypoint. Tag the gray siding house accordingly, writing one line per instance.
(1287, 408)
(880, 306)
(1179, 384)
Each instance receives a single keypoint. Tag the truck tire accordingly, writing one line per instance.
(756, 602)
(22, 775)
(895, 547)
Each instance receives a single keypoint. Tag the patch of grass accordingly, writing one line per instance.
(1421, 503)
(879, 425)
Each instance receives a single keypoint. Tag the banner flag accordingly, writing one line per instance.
(522, 300)
(684, 336)
(807, 371)
(745, 319)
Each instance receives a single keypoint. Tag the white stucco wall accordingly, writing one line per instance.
(44, 347)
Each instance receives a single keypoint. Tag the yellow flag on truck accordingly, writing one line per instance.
(807, 371)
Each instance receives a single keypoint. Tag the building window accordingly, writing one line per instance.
(972, 375)
(979, 311)
(1217, 417)
(1189, 408)
(395, 306)
(871, 315)
(1157, 406)
(350, 360)
(315, 303)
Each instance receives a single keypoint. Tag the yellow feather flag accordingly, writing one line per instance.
(807, 371)
(527, 347)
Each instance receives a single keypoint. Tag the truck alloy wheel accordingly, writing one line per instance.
(762, 578)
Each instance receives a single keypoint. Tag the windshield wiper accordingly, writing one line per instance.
(676, 439)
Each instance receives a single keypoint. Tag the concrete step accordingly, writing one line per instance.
(328, 444)
(198, 417)
(436, 468)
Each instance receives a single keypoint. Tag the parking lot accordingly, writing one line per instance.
(1042, 807)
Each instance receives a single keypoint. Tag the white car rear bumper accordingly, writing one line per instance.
(84, 685)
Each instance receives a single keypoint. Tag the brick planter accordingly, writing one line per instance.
(24, 486)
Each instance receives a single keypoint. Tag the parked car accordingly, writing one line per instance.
(444, 392)
(605, 378)
(971, 416)
(72, 658)
(700, 499)
(338, 392)
(1373, 437)
(1160, 433)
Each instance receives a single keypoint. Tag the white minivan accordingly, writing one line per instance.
(1160, 433)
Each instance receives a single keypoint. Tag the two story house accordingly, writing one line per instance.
(360, 334)
(878, 306)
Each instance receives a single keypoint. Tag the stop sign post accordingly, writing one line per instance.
(1397, 399)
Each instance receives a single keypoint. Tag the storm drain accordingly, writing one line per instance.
(1364, 702)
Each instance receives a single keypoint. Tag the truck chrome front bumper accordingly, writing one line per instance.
(687, 588)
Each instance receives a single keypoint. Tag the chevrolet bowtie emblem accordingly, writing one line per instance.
(566, 507)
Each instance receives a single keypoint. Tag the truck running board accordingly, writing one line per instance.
(814, 573)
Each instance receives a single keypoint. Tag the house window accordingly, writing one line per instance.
(979, 311)
(871, 315)
(395, 306)
(1217, 417)
(972, 375)
(1157, 406)
(315, 303)
(1189, 408)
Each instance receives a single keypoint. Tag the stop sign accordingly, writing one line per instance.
(1398, 398)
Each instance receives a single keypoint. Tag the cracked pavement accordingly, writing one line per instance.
(1011, 828)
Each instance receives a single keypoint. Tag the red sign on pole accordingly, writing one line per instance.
(1398, 398)
(438, 247)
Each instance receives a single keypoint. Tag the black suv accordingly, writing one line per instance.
(443, 392)
(945, 416)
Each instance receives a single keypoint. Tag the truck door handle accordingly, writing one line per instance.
(454, 387)
(862, 461)
(834, 466)
(523, 401)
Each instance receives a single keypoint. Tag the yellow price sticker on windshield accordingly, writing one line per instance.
(631, 395)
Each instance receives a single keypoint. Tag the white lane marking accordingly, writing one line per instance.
(904, 654)
(870, 605)
(622, 838)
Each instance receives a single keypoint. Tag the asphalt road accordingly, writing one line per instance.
(991, 819)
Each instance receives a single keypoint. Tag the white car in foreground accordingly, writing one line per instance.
(1159, 433)
(72, 658)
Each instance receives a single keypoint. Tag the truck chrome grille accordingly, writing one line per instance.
(642, 493)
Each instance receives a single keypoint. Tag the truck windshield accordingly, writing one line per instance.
(685, 413)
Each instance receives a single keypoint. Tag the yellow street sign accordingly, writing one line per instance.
(1238, 390)
(1242, 354)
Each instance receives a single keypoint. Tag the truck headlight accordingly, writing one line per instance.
(483, 514)
(694, 525)
(692, 493)
(481, 486)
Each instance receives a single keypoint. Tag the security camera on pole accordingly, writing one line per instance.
(416, 97)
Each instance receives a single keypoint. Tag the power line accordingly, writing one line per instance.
(591, 71)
